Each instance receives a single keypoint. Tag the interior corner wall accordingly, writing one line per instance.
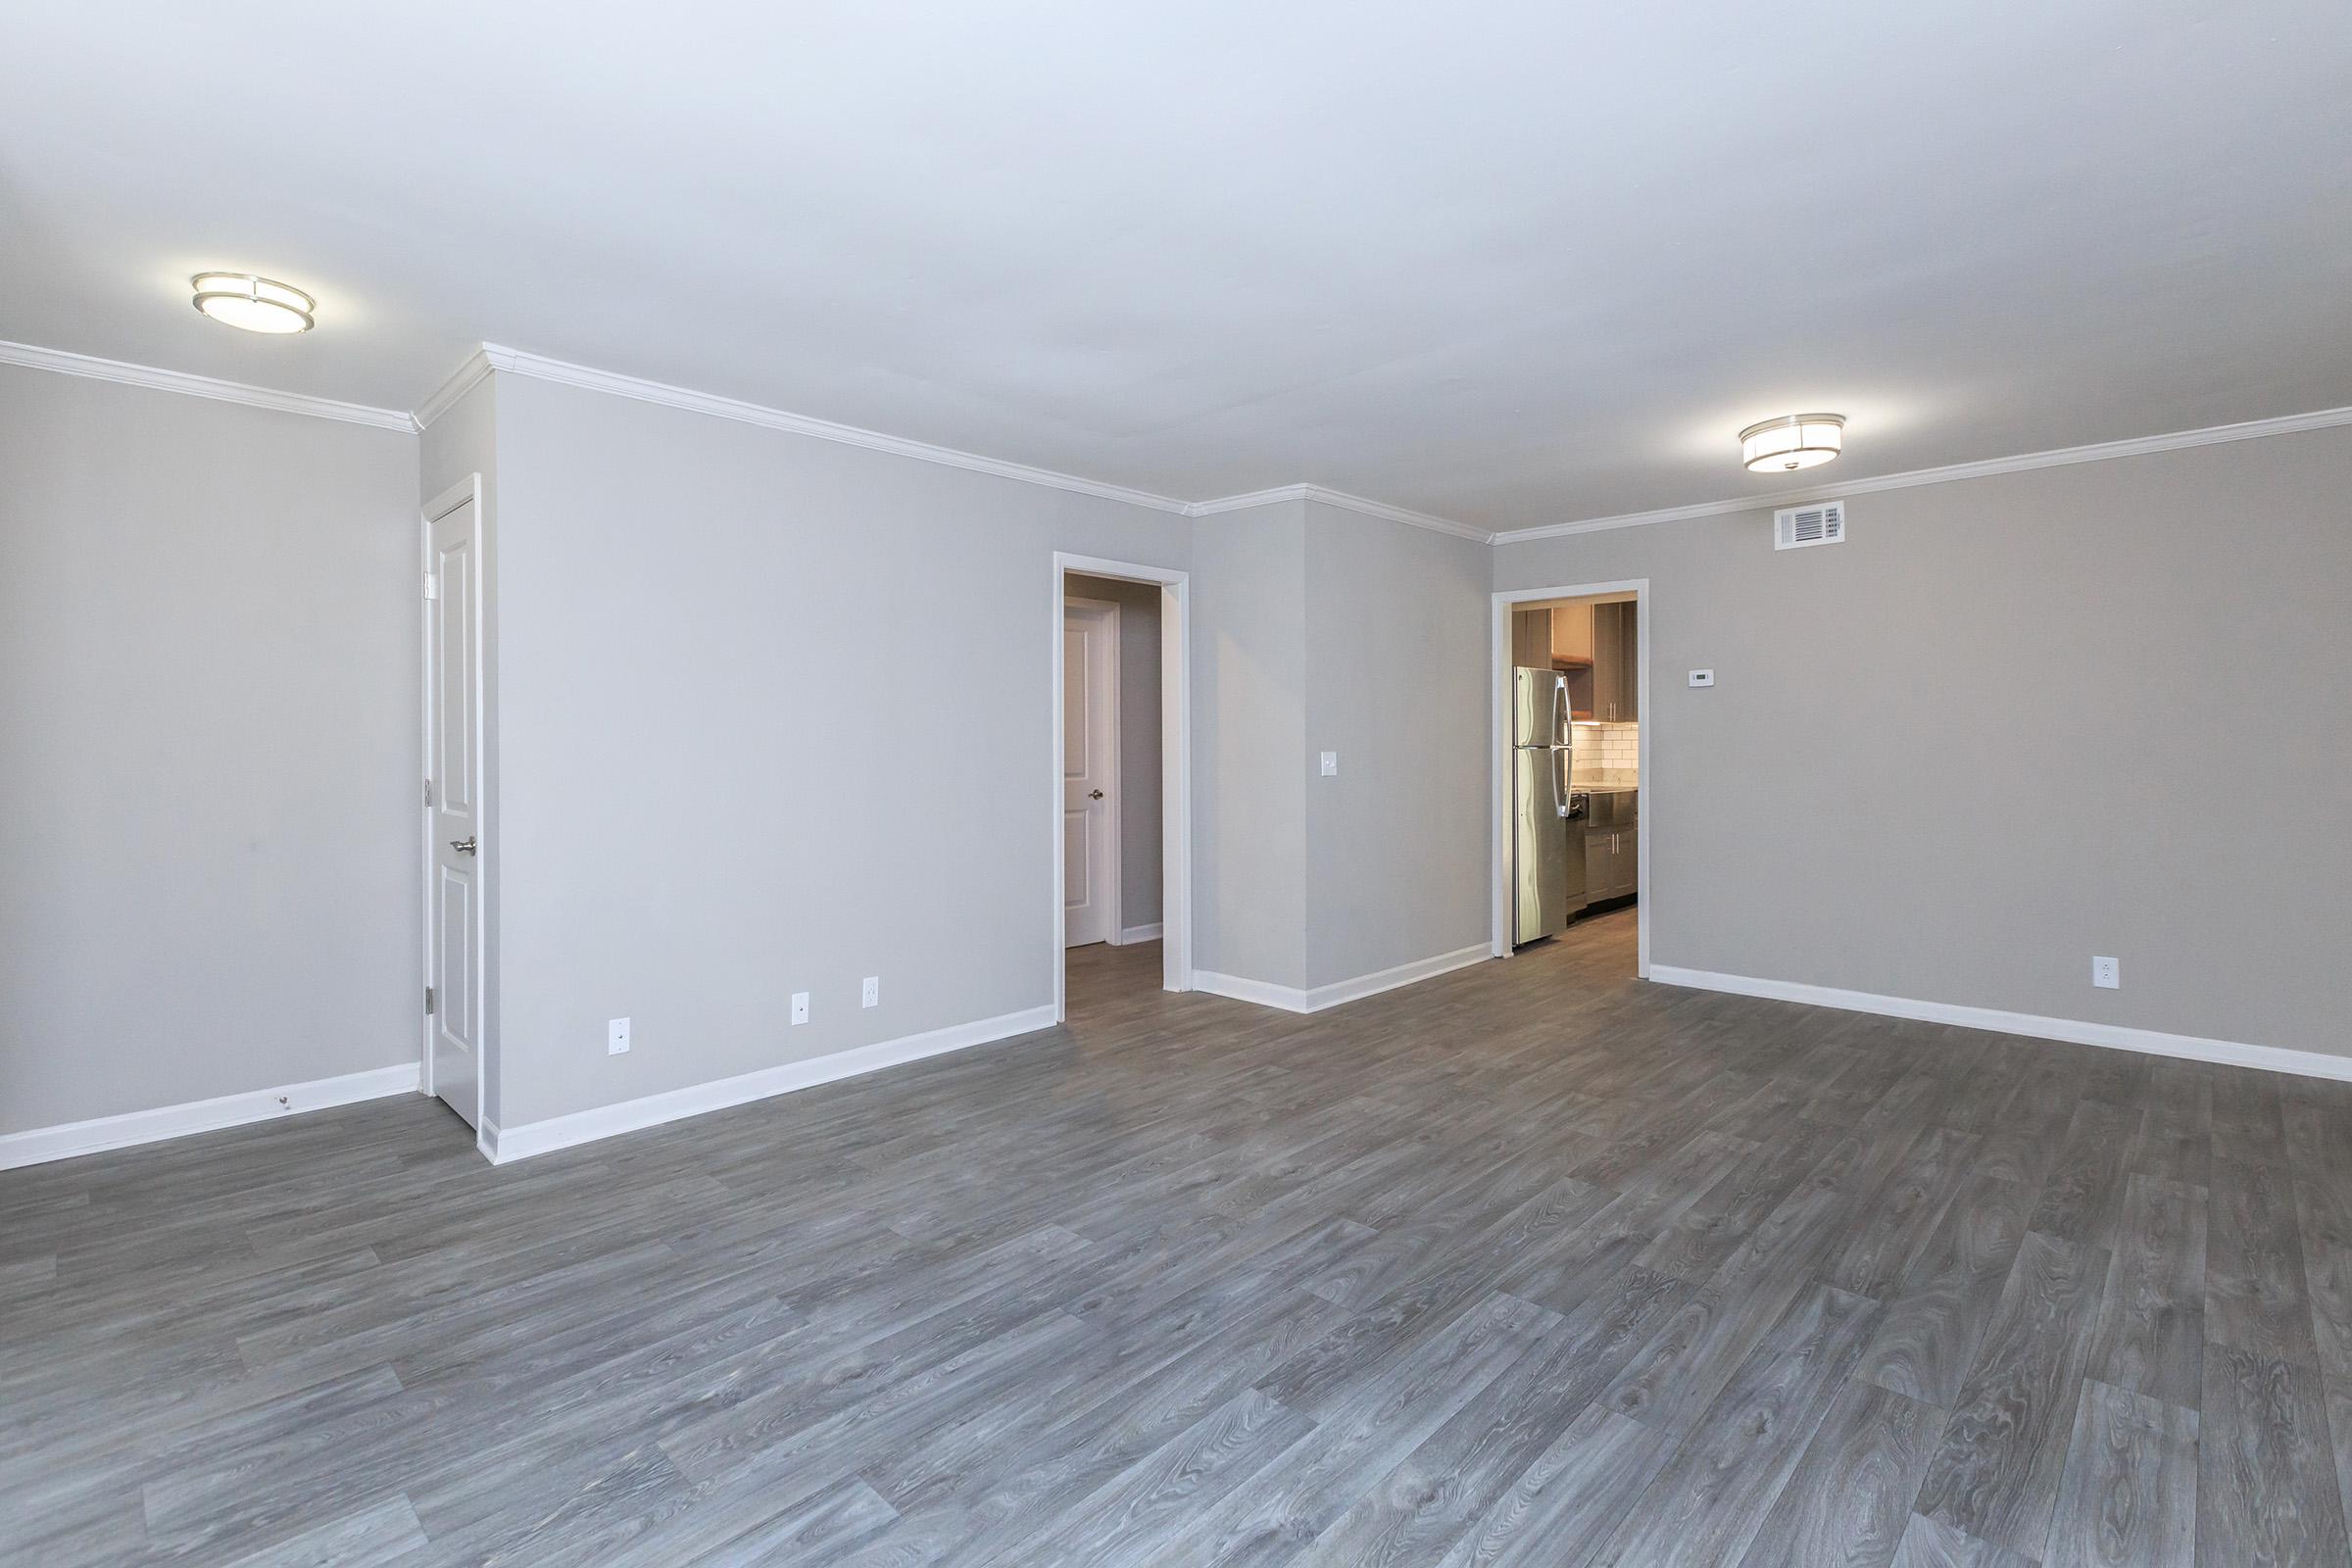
(1139, 865)
(2011, 723)
(726, 774)
(1396, 683)
(463, 441)
(207, 747)
(1249, 654)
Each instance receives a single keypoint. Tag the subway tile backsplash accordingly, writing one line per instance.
(1607, 754)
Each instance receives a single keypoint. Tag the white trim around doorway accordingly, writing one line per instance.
(1175, 763)
(1498, 744)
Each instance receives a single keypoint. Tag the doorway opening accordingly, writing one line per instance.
(1123, 811)
(1572, 768)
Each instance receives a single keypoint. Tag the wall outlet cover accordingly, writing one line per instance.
(616, 1036)
(1331, 764)
(1703, 677)
(871, 994)
(2107, 974)
(800, 1007)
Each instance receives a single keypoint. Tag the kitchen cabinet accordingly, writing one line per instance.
(1531, 639)
(1616, 661)
(1613, 847)
(1558, 638)
(1612, 864)
(1572, 633)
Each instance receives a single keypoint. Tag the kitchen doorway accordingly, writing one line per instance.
(1121, 745)
(1573, 806)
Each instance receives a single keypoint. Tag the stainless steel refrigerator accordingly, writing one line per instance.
(1548, 817)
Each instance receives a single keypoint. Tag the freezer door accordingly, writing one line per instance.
(1539, 846)
(1538, 708)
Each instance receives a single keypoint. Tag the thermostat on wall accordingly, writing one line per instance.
(1703, 677)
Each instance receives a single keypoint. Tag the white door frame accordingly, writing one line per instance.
(1175, 764)
(1114, 823)
(441, 506)
(1498, 740)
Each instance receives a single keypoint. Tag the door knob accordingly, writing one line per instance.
(463, 846)
(1094, 795)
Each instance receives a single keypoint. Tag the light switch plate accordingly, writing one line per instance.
(1703, 677)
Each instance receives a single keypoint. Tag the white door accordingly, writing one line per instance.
(453, 798)
(1090, 781)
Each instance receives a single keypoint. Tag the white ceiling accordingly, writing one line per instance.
(1512, 263)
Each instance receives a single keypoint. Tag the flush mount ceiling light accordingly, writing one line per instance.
(1791, 441)
(256, 304)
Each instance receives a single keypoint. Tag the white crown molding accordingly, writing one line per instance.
(2098, 452)
(39, 1145)
(200, 386)
(517, 362)
(1344, 502)
(1243, 503)
(491, 356)
(539, 367)
(2081, 1032)
(463, 379)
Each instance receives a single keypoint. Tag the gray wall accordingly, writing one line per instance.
(1396, 683)
(2012, 724)
(1249, 779)
(1319, 629)
(207, 747)
(727, 775)
(1140, 868)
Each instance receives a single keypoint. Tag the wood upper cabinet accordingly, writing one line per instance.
(1572, 628)
(1531, 639)
(1592, 645)
(1616, 661)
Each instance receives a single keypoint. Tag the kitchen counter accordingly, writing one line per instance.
(1605, 789)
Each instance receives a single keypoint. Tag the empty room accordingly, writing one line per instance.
(974, 787)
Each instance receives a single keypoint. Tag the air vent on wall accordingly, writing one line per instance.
(1821, 524)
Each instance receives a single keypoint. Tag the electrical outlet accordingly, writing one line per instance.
(871, 995)
(616, 1036)
(2107, 974)
(800, 1007)
(1331, 764)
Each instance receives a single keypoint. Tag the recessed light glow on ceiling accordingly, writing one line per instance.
(1791, 441)
(256, 304)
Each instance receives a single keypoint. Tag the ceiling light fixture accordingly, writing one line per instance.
(1791, 441)
(256, 304)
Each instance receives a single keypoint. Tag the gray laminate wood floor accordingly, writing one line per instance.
(1528, 1264)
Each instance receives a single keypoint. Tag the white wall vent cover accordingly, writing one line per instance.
(1823, 523)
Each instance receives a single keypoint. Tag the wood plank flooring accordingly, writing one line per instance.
(1531, 1264)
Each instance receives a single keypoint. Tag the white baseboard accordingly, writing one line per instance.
(2081, 1032)
(1141, 933)
(506, 1144)
(39, 1145)
(1289, 999)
